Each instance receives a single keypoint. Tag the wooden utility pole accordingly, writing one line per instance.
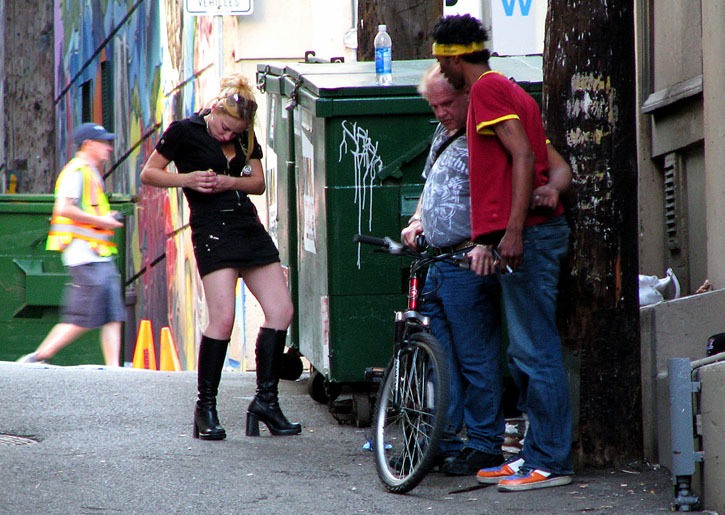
(410, 25)
(589, 109)
(27, 91)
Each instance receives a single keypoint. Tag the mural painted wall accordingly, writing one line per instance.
(135, 66)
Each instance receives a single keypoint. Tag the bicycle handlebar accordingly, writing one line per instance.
(393, 247)
(369, 240)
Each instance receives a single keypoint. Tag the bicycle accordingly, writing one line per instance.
(413, 395)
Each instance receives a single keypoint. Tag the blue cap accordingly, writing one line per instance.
(91, 131)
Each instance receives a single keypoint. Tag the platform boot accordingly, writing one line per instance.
(212, 354)
(265, 405)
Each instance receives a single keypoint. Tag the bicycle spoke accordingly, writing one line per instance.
(405, 421)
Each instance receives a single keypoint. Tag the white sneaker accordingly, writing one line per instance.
(29, 358)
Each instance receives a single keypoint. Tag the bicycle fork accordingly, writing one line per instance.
(406, 323)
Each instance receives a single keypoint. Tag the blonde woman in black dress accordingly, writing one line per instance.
(217, 158)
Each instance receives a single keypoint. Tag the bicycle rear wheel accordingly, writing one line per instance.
(409, 425)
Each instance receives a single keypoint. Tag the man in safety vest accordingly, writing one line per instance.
(82, 229)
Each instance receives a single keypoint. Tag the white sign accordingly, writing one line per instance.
(517, 26)
(219, 7)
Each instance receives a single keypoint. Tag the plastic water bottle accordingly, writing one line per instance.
(383, 56)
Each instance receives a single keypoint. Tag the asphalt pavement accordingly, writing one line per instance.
(91, 440)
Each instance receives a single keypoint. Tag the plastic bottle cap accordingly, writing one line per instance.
(383, 27)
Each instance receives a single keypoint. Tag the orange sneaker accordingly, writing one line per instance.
(530, 479)
(494, 474)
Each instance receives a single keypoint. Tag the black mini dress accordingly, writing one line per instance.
(225, 228)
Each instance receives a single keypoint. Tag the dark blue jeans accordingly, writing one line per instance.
(465, 313)
(534, 353)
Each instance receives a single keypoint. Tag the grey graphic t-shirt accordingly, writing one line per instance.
(446, 201)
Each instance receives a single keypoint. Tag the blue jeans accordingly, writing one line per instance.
(465, 313)
(534, 353)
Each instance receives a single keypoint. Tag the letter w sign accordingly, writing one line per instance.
(509, 6)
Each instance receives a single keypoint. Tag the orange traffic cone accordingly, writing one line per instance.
(169, 355)
(145, 355)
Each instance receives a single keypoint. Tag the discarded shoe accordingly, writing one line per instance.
(530, 479)
(469, 461)
(493, 475)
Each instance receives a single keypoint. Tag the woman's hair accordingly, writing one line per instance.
(236, 98)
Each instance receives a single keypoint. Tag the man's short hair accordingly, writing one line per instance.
(432, 74)
(462, 29)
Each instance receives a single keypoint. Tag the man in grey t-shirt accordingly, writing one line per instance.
(463, 307)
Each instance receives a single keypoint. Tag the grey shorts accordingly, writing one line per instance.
(93, 297)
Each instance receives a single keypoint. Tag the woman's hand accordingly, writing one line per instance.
(225, 183)
(203, 181)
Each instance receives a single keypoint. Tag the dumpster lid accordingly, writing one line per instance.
(271, 69)
(358, 79)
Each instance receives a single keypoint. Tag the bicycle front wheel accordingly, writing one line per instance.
(410, 414)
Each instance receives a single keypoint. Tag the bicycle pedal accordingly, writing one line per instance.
(374, 374)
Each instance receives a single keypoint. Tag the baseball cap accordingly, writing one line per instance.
(91, 131)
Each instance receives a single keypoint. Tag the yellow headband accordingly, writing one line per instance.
(447, 49)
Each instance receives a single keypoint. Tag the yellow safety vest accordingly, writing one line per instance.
(93, 200)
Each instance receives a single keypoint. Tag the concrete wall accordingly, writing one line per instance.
(672, 329)
(713, 49)
(712, 427)
(682, 119)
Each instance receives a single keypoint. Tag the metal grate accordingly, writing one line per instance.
(675, 204)
(16, 440)
(670, 202)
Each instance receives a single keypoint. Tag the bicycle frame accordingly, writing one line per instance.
(408, 322)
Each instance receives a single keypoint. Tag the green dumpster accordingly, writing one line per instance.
(357, 150)
(346, 157)
(33, 279)
(279, 172)
(280, 88)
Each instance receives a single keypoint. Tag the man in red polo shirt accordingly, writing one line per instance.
(507, 162)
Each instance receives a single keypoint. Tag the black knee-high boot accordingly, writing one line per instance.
(265, 405)
(211, 361)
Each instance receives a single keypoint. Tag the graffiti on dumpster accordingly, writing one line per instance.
(367, 163)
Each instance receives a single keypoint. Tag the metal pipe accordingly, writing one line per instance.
(682, 432)
(708, 360)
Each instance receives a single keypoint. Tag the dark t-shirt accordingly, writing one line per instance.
(188, 144)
